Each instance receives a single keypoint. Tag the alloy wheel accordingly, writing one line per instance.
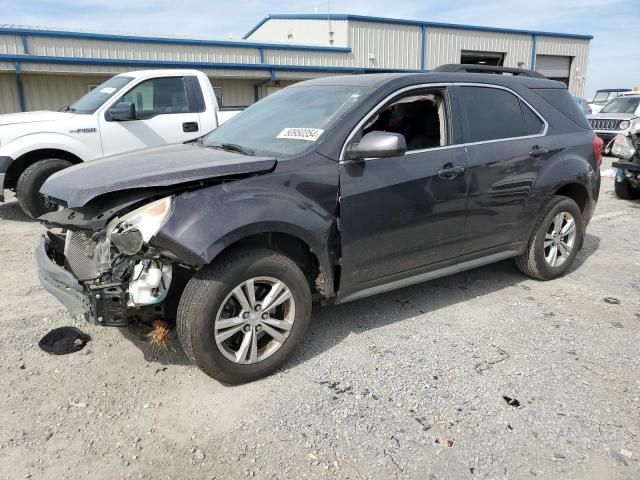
(560, 239)
(254, 320)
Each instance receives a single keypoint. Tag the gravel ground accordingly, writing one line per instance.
(524, 379)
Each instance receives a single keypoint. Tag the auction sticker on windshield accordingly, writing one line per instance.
(310, 134)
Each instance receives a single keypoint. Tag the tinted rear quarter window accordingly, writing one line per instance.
(560, 99)
(492, 114)
(533, 125)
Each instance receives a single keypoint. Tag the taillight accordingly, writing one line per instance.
(597, 144)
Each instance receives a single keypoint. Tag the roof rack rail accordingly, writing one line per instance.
(472, 68)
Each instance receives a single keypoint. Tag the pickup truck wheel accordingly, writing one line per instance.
(555, 240)
(30, 181)
(242, 317)
(625, 190)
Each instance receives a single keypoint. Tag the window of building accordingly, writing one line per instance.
(420, 117)
(494, 114)
(158, 96)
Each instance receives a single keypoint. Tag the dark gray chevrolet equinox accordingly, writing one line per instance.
(332, 190)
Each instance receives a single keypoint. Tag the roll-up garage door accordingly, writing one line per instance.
(554, 67)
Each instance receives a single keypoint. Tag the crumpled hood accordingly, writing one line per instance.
(153, 167)
(30, 117)
(612, 116)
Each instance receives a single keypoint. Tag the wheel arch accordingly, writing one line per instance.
(575, 191)
(24, 161)
(291, 241)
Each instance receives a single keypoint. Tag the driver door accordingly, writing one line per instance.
(163, 115)
(404, 215)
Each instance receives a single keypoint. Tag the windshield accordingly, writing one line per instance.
(95, 98)
(622, 105)
(288, 122)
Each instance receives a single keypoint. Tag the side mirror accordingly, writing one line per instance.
(377, 145)
(123, 111)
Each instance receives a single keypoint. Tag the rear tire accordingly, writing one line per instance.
(538, 260)
(625, 191)
(213, 290)
(31, 180)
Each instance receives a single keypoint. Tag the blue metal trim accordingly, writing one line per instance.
(255, 27)
(364, 18)
(171, 41)
(25, 45)
(21, 99)
(158, 63)
(423, 46)
(534, 50)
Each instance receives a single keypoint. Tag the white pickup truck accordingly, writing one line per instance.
(128, 112)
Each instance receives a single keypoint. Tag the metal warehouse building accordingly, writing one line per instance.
(47, 69)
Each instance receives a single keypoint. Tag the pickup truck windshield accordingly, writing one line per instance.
(288, 122)
(93, 100)
(622, 105)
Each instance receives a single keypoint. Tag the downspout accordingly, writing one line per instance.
(23, 106)
(256, 87)
(534, 48)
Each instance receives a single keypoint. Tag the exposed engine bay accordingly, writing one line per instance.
(122, 276)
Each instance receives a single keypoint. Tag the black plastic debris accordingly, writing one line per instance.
(63, 340)
(511, 401)
(611, 300)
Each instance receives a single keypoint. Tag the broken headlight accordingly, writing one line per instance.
(622, 147)
(137, 227)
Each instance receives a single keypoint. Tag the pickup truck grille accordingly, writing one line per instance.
(79, 252)
(605, 124)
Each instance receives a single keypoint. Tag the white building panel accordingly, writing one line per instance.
(303, 31)
(576, 48)
(9, 100)
(11, 44)
(52, 92)
(308, 58)
(445, 45)
(385, 45)
(165, 52)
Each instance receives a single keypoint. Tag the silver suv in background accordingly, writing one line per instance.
(618, 116)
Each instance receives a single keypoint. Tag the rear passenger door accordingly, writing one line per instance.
(506, 147)
(167, 111)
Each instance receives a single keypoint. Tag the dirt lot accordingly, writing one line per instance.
(376, 382)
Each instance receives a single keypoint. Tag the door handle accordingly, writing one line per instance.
(538, 151)
(190, 127)
(450, 171)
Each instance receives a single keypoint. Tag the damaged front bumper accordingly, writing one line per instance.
(105, 301)
(59, 282)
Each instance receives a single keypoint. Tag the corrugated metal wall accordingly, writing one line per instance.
(165, 52)
(392, 45)
(577, 49)
(445, 45)
(9, 101)
(51, 92)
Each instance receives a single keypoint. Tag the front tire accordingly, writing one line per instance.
(624, 190)
(244, 316)
(31, 180)
(555, 240)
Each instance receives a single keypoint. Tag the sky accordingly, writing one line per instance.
(613, 58)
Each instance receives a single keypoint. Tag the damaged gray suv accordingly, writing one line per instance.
(331, 190)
